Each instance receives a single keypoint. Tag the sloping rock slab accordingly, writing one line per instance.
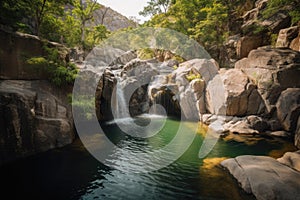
(264, 177)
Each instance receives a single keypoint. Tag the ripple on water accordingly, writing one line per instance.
(72, 173)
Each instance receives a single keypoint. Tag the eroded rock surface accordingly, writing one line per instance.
(32, 119)
(272, 71)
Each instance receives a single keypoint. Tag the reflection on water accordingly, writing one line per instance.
(72, 173)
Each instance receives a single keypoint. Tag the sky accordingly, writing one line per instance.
(127, 8)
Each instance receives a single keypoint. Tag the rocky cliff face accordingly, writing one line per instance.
(15, 51)
(35, 116)
(255, 31)
(111, 19)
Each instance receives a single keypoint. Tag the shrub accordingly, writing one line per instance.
(191, 76)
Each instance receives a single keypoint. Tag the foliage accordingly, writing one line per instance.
(191, 76)
(61, 72)
(63, 21)
(145, 54)
(202, 20)
(213, 30)
(275, 5)
(30, 15)
(37, 61)
(155, 7)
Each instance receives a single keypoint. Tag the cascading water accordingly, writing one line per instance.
(121, 110)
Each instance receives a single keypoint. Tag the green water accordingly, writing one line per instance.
(72, 173)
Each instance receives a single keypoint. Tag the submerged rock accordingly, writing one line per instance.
(264, 177)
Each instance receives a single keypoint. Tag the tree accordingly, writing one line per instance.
(214, 28)
(155, 7)
(84, 12)
(30, 13)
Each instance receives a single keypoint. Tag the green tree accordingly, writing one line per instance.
(29, 15)
(84, 12)
(212, 30)
(155, 7)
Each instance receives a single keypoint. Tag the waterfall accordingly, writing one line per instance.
(121, 109)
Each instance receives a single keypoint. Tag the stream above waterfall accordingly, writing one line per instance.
(72, 173)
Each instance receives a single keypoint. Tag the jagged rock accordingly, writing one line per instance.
(233, 94)
(207, 68)
(281, 19)
(192, 93)
(272, 71)
(103, 56)
(124, 58)
(274, 23)
(246, 44)
(141, 69)
(255, 12)
(288, 108)
(231, 48)
(286, 36)
(32, 118)
(264, 177)
(108, 90)
(291, 159)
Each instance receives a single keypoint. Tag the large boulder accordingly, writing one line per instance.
(206, 68)
(286, 36)
(272, 71)
(264, 177)
(288, 109)
(233, 94)
(191, 78)
(32, 119)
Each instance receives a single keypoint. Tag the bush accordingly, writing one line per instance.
(145, 54)
(191, 76)
(60, 71)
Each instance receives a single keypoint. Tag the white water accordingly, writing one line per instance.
(121, 109)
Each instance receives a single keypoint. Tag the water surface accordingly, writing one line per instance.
(72, 173)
